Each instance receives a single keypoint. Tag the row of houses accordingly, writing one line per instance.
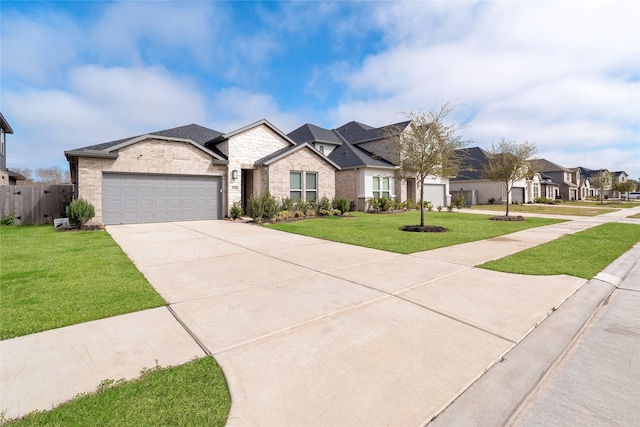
(192, 172)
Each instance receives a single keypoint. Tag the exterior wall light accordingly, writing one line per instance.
(234, 174)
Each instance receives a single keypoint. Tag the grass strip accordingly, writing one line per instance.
(382, 231)
(194, 394)
(50, 279)
(583, 254)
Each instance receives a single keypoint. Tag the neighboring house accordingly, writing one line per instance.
(470, 180)
(585, 188)
(192, 173)
(542, 186)
(7, 177)
(368, 164)
(567, 179)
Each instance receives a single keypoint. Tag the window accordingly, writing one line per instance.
(321, 148)
(536, 190)
(381, 187)
(1, 142)
(311, 186)
(295, 185)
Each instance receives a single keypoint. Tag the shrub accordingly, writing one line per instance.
(262, 206)
(310, 212)
(286, 204)
(492, 200)
(341, 204)
(380, 204)
(298, 214)
(450, 207)
(439, 208)
(459, 201)
(79, 212)
(284, 215)
(410, 204)
(302, 206)
(236, 210)
(8, 220)
(325, 204)
(429, 206)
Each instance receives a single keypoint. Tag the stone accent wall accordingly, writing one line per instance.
(150, 156)
(244, 149)
(303, 160)
(4, 177)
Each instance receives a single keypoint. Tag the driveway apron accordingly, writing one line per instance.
(310, 332)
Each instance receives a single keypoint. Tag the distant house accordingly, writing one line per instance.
(368, 164)
(7, 177)
(485, 191)
(567, 179)
(193, 172)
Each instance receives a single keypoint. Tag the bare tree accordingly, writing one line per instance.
(602, 181)
(508, 162)
(52, 175)
(427, 147)
(26, 173)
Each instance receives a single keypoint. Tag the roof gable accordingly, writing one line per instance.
(473, 161)
(313, 133)
(348, 156)
(287, 151)
(243, 129)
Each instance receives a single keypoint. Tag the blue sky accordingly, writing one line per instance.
(562, 74)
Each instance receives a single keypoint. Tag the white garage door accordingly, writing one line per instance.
(435, 193)
(137, 198)
(517, 195)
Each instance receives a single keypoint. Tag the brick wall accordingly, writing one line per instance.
(347, 185)
(149, 156)
(303, 160)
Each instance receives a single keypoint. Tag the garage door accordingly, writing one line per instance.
(136, 198)
(517, 195)
(435, 193)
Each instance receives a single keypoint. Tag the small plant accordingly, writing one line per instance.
(79, 212)
(429, 206)
(261, 207)
(310, 212)
(286, 204)
(459, 201)
(439, 208)
(410, 204)
(298, 214)
(302, 206)
(450, 207)
(8, 220)
(380, 204)
(284, 215)
(325, 204)
(236, 210)
(341, 204)
(492, 200)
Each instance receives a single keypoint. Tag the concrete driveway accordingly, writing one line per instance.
(310, 332)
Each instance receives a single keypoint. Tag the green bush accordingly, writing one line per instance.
(286, 204)
(8, 220)
(341, 204)
(380, 204)
(263, 206)
(236, 210)
(302, 206)
(324, 204)
(79, 212)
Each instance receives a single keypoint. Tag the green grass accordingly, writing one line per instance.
(589, 210)
(194, 394)
(50, 279)
(634, 216)
(605, 204)
(382, 231)
(583, 254)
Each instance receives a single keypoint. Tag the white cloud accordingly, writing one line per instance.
(103, 104)
(562, 74)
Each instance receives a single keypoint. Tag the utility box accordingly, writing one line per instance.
(61, 223)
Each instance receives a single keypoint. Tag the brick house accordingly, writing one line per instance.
(368, 164)
(7, 177)
(193, 173)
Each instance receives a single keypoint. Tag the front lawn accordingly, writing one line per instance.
(604, 204)
(582, 254)
(194, 394)
(382, 231)
(51, 279)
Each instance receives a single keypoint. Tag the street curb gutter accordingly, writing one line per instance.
(496, 396)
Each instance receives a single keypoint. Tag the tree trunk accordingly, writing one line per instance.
(508, 192)
(421, 203)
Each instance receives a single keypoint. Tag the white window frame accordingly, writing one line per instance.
(381, 191)
(307, 190)
(296, 190)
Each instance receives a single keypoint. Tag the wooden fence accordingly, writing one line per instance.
(34, 204)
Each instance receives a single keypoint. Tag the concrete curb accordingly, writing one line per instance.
(496, 396)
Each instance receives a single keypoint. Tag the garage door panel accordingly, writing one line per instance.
(435, 193)
(135, 198)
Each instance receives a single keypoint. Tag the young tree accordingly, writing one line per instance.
(602, 180)
(624, 187)
(427, 147)
(508, 162)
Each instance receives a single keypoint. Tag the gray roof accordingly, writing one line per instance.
(196, 133)
(347, 155)
(5, 124)
(473, 161)
(545, 165)
(313, 133)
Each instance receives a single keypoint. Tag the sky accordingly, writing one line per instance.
(564, 75)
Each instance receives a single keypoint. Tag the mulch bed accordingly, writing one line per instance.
(507, 218)
(424, 228)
